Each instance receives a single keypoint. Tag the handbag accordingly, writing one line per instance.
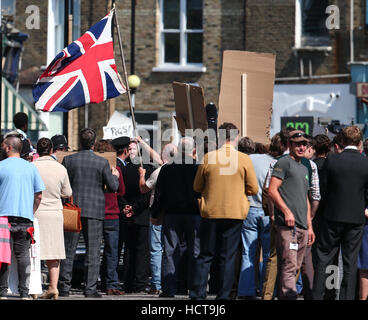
(72, 217)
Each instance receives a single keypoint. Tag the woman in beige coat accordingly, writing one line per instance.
(50, 213)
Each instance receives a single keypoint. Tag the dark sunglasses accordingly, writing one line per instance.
(298, 135)
(14, 135)
(300, 143)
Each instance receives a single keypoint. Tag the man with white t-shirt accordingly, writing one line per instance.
(168, 153)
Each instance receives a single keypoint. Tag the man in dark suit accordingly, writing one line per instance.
(345, 179)
(136, 225)
(88, 174)
(134, 217)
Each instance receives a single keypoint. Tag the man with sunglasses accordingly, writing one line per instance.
(288, 190)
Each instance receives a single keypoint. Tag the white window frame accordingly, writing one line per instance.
(76, 19)
(299, 31)
(183, 65)
(53, 27)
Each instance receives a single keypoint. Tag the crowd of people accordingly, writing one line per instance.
(246, 221)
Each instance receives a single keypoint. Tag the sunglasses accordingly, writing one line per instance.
(14, 135)
(300, 143)
(298, 135)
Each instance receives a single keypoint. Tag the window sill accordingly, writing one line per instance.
(313, 48)
(177, 68)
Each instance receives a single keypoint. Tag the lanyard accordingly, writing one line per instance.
(294, 232)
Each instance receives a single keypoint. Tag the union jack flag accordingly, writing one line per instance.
(84, 72)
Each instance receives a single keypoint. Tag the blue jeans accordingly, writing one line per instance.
(256, 226)
(299, 284)
(156, 256)
(110, 258)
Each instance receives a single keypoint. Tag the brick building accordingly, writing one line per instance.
(183, 40)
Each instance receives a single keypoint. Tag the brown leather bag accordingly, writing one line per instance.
(72, 217)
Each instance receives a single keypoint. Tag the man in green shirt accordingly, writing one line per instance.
(288, 189)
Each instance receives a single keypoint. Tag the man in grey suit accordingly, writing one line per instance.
(88, 175)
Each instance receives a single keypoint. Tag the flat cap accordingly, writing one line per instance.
(59, 142)
(120, 142)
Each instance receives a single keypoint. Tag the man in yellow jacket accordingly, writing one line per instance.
(225, 179)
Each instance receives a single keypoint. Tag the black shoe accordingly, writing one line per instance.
(166, 295)
(93, 295)
(63, 293)
(153, 291)
(25, 296)
(182, 293)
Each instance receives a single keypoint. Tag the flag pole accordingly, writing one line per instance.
(126, 80)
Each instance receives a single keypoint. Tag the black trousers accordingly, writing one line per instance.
(176, 229)
(333, 235)
(226, 234)
(136, 257)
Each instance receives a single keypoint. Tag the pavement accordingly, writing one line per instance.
(76, 294)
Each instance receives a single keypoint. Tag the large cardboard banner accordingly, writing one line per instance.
(190, 107)
(246, 92)
(110, 156)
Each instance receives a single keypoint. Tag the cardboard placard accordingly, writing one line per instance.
(119, 125)
(109, 156)
(246, 92)
(189, 107)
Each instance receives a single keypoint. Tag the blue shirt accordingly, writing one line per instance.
(261, 164)
(19, 181)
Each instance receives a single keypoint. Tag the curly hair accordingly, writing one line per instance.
(323, 144)
(277, 148)
(352, 136)
(87, 138)
(44, 147)
(104, 146)
(246, 145)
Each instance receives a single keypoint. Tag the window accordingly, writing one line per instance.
(59, 26)
(181, 35)
(55, 28)
(8, 8)
(76, 19)
(310, 27)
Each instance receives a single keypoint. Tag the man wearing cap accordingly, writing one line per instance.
(288, 190)
(59, 143)
(121, 146)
